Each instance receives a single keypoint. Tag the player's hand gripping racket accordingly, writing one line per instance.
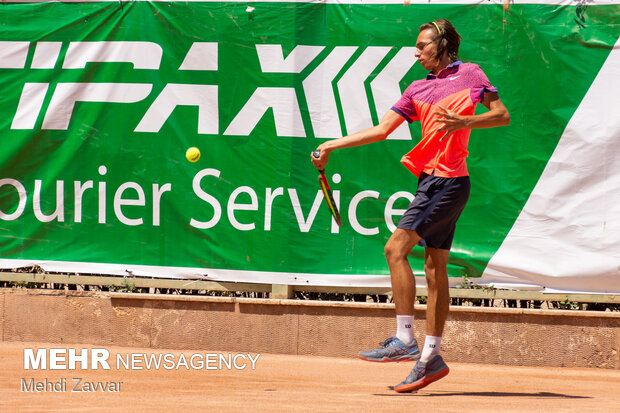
(327, 193)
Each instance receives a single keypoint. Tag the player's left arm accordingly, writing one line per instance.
(496, 116)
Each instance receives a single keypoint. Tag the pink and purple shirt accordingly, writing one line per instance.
(458, 87)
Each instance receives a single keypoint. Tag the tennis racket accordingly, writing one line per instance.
(327, 193)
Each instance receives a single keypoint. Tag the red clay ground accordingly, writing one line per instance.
(286, 383)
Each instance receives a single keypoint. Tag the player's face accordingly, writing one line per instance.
(426, 49)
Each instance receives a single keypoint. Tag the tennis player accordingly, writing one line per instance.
(444, 102)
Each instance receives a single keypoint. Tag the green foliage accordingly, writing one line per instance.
(26, 284)
(467, 283)
(126, 287)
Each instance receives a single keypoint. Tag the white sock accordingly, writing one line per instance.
(432, 346)
(404, 328)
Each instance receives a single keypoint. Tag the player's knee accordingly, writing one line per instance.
(429, 269)
(436, 278)
(431, 283)
(393, 251)
(389, 251)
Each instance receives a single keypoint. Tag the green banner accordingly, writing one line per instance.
(99, 102)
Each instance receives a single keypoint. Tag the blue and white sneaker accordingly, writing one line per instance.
(423, 374)
(392, 349)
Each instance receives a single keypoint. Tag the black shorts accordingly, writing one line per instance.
(437, 206)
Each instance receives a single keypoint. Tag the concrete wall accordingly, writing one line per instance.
(472, 335)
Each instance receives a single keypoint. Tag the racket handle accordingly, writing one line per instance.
(317, 155)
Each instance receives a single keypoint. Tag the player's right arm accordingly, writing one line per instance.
(377, 133)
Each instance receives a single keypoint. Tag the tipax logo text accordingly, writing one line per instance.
(318, 86)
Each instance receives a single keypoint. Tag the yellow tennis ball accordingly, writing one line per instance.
(192, 154)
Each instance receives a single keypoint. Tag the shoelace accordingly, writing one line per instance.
(387, 342)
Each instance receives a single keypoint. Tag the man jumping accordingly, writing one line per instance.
(444, 102)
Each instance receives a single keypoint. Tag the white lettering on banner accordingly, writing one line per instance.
(286, 112)
(173, 95)
(217, 208)
(102, 196)
(317, 86)
(13, 55)
(234, 206)
(386, 89)
(242, 198)
(201, 56)
(353, 212)
(272, 60)
(391, 212)
(143, 55)
(67, 94)
(157, 193)
(305, 224)
(45, 55)
(78, 189)
(336, 195)
(355, 106)
(270, 195)
(29, 105)
(59, 212)
(81, 191)
(282, 100)
(119, 201)
(21, 205)
(320, 94)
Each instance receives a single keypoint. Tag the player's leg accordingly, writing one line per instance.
(446, 199)
(397, 250)
(431, 366)
(438, 306)
(402, 346)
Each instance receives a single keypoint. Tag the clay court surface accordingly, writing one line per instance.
(286, 383)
